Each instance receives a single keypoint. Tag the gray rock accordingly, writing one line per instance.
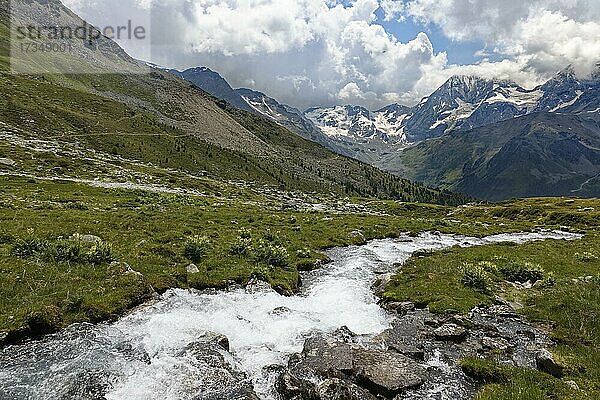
(90, 238)
(292, 388)
(572, 384)
(386, 373)
(325, 356)
(495, 343)
(7, 162)
(545, 362)
(85, 238)
(357, 233)
(450, 332)
(220, 379)
(400, 307)
(337, 389)
(218, 339)
(192, 269)
(502, 310)
(344, 334)
(380, 283)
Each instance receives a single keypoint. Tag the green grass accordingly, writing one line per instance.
(509, 383)
(148, 231)
(565, 302)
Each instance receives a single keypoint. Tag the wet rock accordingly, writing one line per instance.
(450, 332)
(344, 334)
(380, 283)
(326, 357)
(292, 388)
(192, 269)
(334, 365)
(217, 374)
(92, 385)
(337, 389)
(400, 307)
(218, 339)
(280, 311)
(495, 343)
(545, 362)
(386, 373)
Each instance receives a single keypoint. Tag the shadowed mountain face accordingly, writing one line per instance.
(214, 84)
(156, 118)
(541, 154)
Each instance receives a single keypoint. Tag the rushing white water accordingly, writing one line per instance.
(142, 356)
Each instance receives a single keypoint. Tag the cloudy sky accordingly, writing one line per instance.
(368, 52)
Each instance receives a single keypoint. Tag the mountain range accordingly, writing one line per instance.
(493, 116)
(158, 122)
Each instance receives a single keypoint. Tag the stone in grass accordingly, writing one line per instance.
(192, 269)
(7, 162)
(545, 362)
(85, 238)
(450, 332)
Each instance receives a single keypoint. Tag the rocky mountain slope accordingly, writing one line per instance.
(214, 84)
(287, 116)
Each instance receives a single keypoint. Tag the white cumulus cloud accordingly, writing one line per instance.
(328, 52)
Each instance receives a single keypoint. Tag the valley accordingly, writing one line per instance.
(164, 235)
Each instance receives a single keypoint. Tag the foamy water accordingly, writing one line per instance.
(142, 356)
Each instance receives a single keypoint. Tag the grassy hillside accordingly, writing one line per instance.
(157, 118)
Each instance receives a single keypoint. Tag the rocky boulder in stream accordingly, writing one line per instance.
(418, 355)
(338, 367)
(220, 379)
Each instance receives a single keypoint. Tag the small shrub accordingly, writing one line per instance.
(549, 280)
(244, 233)
(586, 256)
(196, 248)
(260, 273)
(69, 250)
(475, 277)
(271, 254)
(100, 253)
(271, 236)
(29, 247)
(241, 246)
(489, 266)
(528, 271)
